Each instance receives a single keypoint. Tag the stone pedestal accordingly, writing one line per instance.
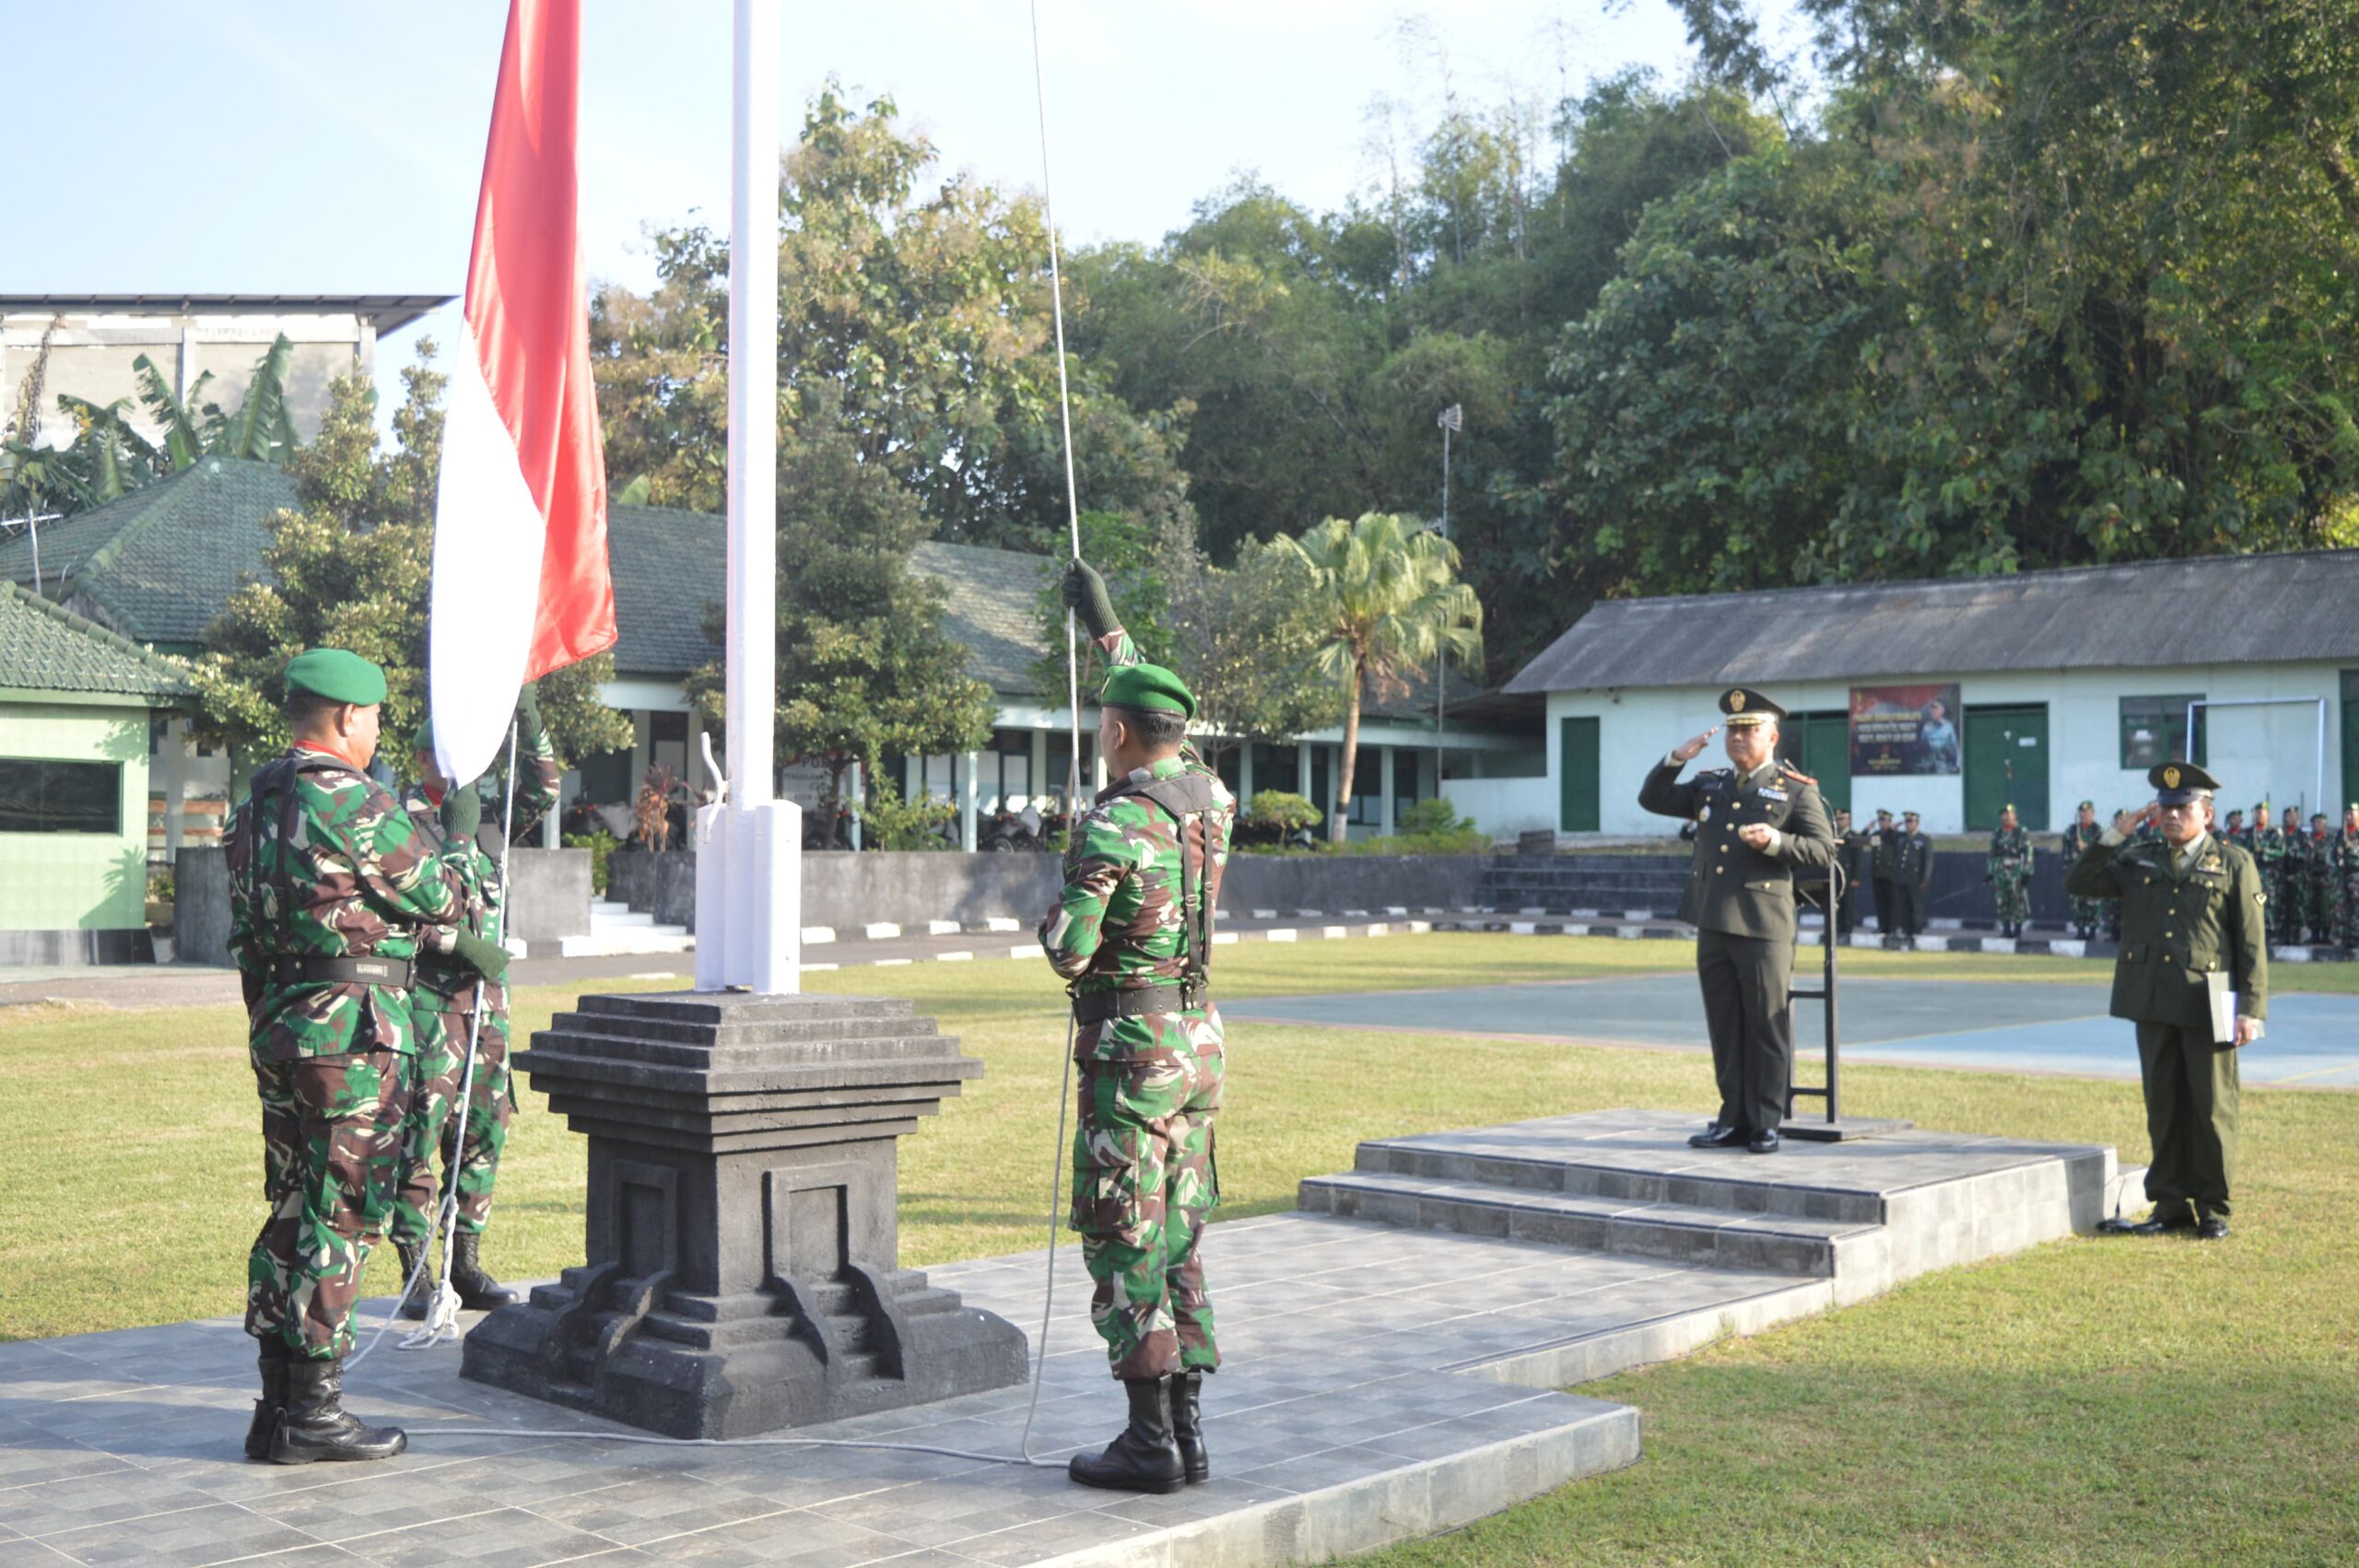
(743, 1255)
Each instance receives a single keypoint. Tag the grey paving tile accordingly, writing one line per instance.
(217, 1533)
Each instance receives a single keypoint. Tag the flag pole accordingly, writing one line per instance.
(752, 694)
(749, 844)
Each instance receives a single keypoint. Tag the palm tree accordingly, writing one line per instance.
(1389, 594)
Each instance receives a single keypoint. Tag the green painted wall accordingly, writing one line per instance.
(77, 881)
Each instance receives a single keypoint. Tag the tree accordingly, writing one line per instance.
(864, 665)
(108, 458)
(1245, 639)
(1387, 601)
(913, 322)
(351, 567)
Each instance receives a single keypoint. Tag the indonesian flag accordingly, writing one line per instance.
(521, 503)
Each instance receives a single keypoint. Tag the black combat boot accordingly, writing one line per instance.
(479, 1292)
(1146, 1458)
(1187, 1425)
(417, 1296)
(272, 1356)
(316, 1425)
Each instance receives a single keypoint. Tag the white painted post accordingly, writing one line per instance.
(1302, 770)
(970, 765)
(749, 859)
(1384, 792)
(1041, 783)
(856, 785)
(173, 754)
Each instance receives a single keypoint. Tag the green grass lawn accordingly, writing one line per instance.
(2093, 1400)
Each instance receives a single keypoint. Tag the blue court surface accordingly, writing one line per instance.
(2312, 1040)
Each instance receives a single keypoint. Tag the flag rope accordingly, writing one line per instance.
(1073, 798)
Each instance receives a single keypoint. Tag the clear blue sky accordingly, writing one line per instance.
(270, 147)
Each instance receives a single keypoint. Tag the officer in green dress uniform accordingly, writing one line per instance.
(2193, 926)
(1912, 876)
(1854, 856)
(1758, 824)
(1884, 866)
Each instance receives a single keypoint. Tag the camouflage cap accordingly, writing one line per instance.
(1150, 688)
(336, 675)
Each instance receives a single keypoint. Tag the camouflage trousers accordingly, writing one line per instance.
(2088, 914)
(2015, 900)
(470, 1145)
(1144, 1181)
(331, 1138)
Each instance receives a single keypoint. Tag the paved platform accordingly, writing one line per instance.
(1391, 1372)
(2313, 1038)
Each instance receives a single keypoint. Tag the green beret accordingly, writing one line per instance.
(336, 675)
(424, 739)
(1148, 686)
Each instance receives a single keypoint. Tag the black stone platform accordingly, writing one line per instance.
(743, 1269)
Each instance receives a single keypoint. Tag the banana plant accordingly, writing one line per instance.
(189, 426)
(264, 426)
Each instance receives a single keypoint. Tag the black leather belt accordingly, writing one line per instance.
(395, 972)
(1099, 1007)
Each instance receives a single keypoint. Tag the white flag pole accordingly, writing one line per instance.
(749, 845)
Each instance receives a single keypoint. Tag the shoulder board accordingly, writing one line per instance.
(1796, 774)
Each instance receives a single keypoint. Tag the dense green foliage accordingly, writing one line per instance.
(351, 567)
(1980, 287)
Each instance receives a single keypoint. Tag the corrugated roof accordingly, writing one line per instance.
(2217, 610)
(992, 606)
(47, 647)
(161, 561)
(390, 312)
(670, 567)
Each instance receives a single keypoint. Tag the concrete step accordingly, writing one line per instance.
(611, 942)
(618, 919)
(1719, 1182)
(1685, 1233)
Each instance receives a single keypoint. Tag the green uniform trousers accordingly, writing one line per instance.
(2191, 1094)
(1143, 1183)
(331, 1138)
(470, 1146)
(1747, 983)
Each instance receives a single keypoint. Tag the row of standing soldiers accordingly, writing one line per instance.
(2311, 878)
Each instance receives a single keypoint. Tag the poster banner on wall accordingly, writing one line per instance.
(1905, 729)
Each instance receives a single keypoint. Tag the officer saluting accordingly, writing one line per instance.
(1757, 823)
(2193, 926)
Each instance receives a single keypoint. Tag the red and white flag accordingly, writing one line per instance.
(520, 582)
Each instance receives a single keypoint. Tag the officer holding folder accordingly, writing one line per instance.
(2193, 975)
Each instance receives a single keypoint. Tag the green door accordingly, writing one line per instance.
(1577, 776)
(2333, 808)
(2006, 761)
(1827, 756)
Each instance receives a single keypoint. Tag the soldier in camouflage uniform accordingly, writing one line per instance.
(2318, 893)
(2343, 852)
(2084, 831)
(2292, 892)
(2267, 847)
(2009, 873)
(331, 894)
(445, 1004)
(1132, 933)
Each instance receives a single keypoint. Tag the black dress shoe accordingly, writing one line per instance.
(2157, 1225)
(2211, 1228)
(1764, 1143)
(1717, 1136)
